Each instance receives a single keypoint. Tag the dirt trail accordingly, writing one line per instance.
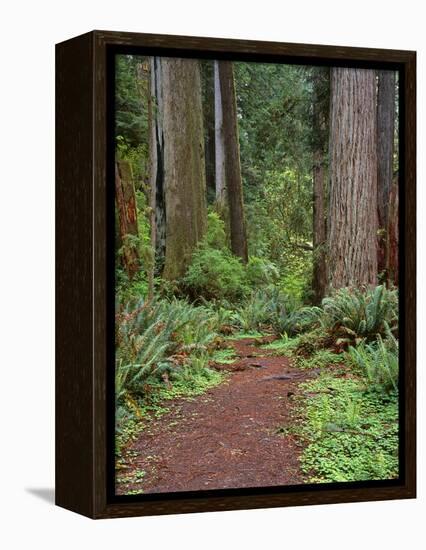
(225, 438)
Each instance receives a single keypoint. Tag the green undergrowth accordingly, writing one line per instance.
(187, 384)
(225, 356)
(307, 350)
(283, 346)
(243, 335)
(320, 359)
(346, 418)
(351, 432)
(191, 383)
(135, 477)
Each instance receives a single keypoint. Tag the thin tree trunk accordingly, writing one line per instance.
(232, 161)
(219, 141)
(143, 75)
(158, 198)
(392, 248)
(320, 82)
(207, 87)
(127, 216)
(184, 163)
(385, 148)
(152, 145)
(352, 239)
(320, 235)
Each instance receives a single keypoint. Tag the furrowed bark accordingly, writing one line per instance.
(219, 141)
(320, 236)
(352, 239)
(385, 149)
(207, 87)
(127, 216)
(152, 146)
(392, 245)
(158, 199)
(232, 161)
(184, 163)
(321, 86)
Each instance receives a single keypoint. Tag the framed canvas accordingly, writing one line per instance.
(236, 274)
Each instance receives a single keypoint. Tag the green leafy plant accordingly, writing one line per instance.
(261, 272)
(351, 434)
(216, 234)
(282, 346)
(215, 274)
(353, 314)
(313, 341)
(272, 309)
(319, 359)
(378, 361)
(148, 333)
(253, 313)
(225, 356)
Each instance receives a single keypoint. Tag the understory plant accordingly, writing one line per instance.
(356, 314)
(272, 309)
(163, 347)
(215, 274)
(378, 362)
(154, 337)
(351, 434)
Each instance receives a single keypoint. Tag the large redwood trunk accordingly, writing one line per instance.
(234, 185)
(127, 216)
(385, 149)
(352, 238)
(184, 163)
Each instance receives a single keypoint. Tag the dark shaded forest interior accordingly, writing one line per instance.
(256, 274)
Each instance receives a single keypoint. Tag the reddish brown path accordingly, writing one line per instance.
(225, 438)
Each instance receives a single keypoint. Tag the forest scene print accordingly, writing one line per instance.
(256, 274)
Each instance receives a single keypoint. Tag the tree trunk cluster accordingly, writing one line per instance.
(355, 197)
(178, 165)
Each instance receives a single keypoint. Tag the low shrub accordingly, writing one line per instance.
(261, 272)
(293, 320)
(312, 341)
(149, 359)
(163, 348)
(286, 314)
(284, 346)
(216, 234)
(378, 362)
(353, 314)
(272, 309)
(320, 358)
(252, 315)
(215, 274)
(148, 334)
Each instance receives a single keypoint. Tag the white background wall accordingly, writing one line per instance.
(29, 30)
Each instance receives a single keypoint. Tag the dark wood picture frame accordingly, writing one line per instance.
(84, 320)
